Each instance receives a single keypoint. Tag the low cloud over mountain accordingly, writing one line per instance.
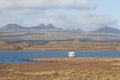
(107, 29)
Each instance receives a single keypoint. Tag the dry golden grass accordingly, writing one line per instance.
(64, 69)
(72, 74)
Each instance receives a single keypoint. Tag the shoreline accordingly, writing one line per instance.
(59, 51)
(76, 58)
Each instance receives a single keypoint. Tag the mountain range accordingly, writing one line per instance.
(107, 29)
(103, 29)
(43, 26)
(19, 27)
(12, 26)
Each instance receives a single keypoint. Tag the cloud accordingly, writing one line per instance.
(47, 4)
(90, 21)
(62, 13)
(63, 19)
(83, 20)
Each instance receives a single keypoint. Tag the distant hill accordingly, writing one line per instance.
(37, 27)
(49, 27)
(43, 26)
(107, 29)
(12, 27)
(14, 33)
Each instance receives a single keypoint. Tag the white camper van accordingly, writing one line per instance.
(71, 54)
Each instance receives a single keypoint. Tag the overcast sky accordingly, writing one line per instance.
(84, 14)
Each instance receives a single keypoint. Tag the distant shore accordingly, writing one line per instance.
(62, 46)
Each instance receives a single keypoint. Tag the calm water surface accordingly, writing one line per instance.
(21, 57)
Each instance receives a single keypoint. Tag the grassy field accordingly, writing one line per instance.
(64, 69)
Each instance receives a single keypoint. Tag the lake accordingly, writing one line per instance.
(21, 57)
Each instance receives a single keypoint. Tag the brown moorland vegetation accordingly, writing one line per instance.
(61, 46)
(64, 69)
